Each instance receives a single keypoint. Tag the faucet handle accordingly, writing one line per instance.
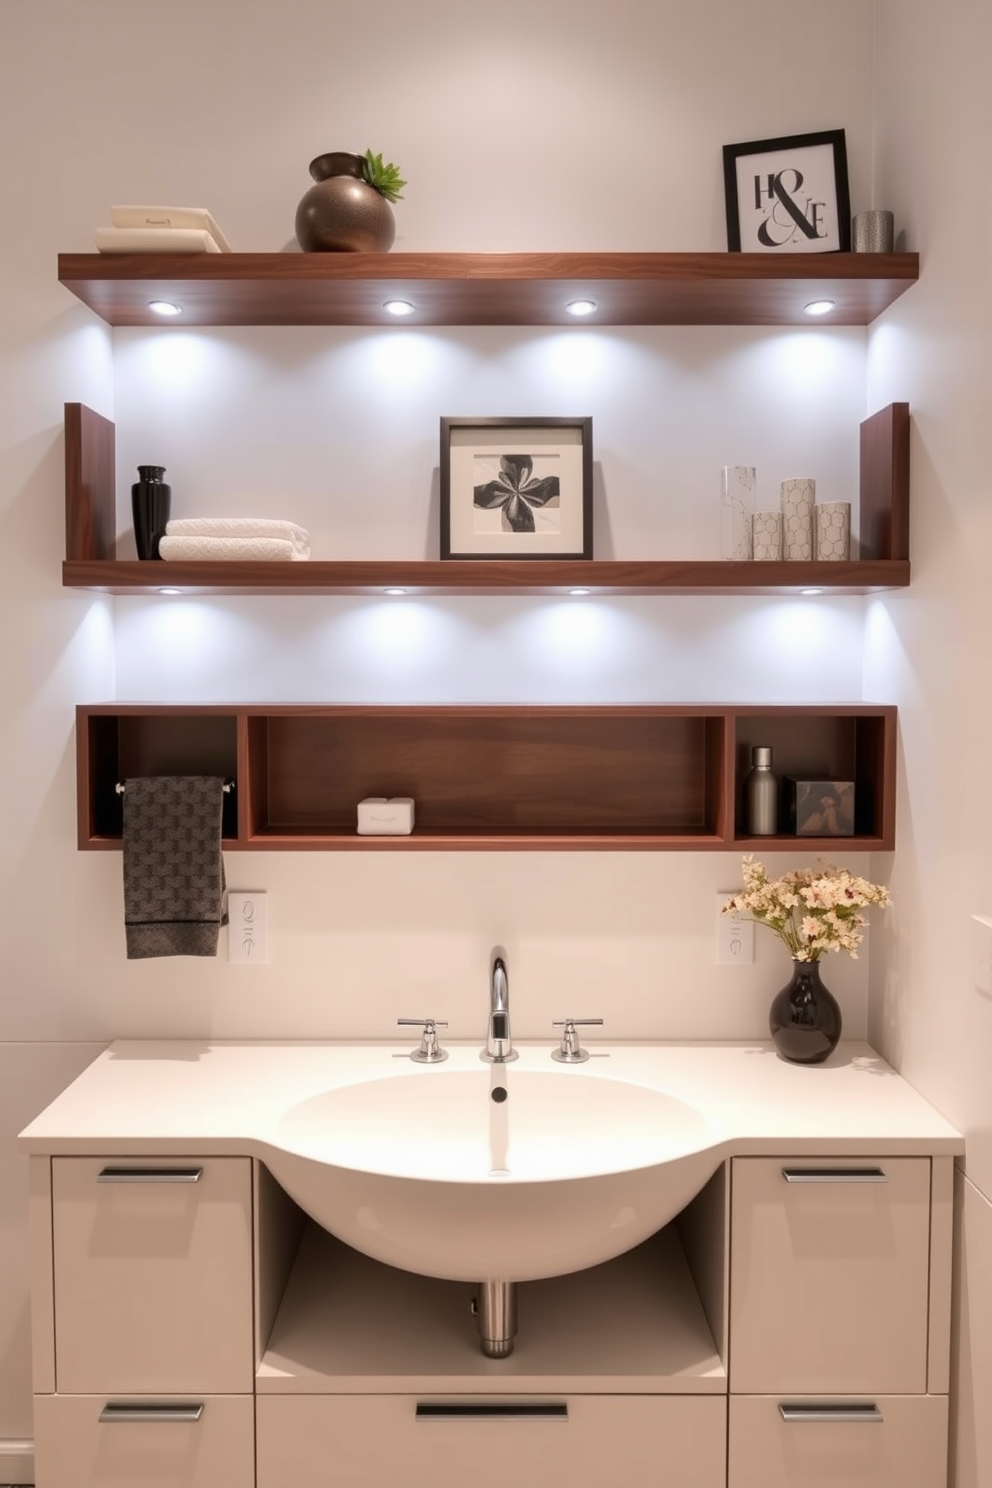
(430, 1051)
(570, 1050)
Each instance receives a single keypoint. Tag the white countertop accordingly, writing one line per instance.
(182, 1097)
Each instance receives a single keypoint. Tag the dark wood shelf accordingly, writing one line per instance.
(474, 289)
(497, 577)
(657, 778)
(91, 534)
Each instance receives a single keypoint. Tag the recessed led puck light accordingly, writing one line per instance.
(820, 307)
(165, 307)
(581, 307)
(398, 307)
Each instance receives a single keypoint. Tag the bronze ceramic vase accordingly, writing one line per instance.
(804, 1020)
(342, 213)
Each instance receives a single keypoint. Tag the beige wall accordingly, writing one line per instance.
(931, 997)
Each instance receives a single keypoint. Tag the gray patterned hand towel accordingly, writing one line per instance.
(173, 865)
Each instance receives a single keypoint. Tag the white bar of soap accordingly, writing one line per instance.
(381, 816)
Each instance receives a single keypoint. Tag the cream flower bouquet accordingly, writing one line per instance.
(812, 910)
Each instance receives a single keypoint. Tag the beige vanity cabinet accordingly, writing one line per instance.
(152, 1321)
(583, 1440)
(192, 1328)
(837, 1358)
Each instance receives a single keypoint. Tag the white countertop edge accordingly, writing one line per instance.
(223, 1098)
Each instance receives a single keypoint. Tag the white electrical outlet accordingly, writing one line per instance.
(734, 936)
(247, 939)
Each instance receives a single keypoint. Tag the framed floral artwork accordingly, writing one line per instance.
(516, 487)
(788, 195)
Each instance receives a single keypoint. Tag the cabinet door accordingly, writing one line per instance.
(585, 1441)
(85, 1441)
(152, 1275)
(878, 1442)
(829, 1275)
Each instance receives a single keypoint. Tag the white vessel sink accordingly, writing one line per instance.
(424, 1169)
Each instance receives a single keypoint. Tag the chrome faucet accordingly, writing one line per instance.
(499, 1044)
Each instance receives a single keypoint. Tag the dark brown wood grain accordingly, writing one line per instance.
(638, 777)
(470, 289)
(90, 515)
(885, 484)
(541, 577)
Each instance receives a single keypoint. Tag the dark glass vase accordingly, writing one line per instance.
(151, 501)
(343, 213)
(805, 1019)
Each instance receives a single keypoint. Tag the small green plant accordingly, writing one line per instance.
(385, 178)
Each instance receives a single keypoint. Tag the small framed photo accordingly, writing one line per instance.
(516, 487)
(821, 808)
(788, 195)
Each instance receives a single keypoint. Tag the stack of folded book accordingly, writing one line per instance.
(161, 230)
(220, 539)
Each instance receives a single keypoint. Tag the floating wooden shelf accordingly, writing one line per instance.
(628, 778)
(91, 535)
(473, 289)
(497, 577)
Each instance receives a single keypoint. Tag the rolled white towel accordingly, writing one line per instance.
(231, 549)
(241, 527)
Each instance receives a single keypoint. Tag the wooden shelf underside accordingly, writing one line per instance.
(473, 289)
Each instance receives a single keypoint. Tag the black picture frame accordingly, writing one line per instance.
(517, 488)
(788, 195)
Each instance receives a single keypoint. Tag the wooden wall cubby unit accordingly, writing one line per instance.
(816, 743)
(647, 777)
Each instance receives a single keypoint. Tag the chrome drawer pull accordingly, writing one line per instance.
(115, 1412)
(149, 1175)
(835, 1175)
(482, 1412)
(821, 1413)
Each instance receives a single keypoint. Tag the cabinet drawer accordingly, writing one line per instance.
(152, 1275)
(167, 1447)
(585, 1441)
(775, 1443)
(829, 1275)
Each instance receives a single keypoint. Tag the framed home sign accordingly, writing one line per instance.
(516, 487)
(788, 195)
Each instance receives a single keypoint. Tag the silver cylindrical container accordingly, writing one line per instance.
(761, 795)
(873, 232)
